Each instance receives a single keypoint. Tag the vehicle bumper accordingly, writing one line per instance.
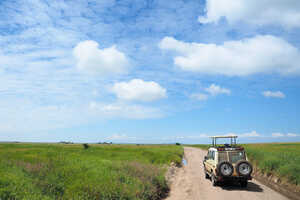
(234, 178)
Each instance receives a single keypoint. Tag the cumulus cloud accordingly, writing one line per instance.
(105, 61)
(212, 90)
(139, 90)
(284, 13)
(276, 94)
(216, 90)
(260, 54)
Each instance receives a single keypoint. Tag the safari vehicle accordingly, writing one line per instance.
(227, 162)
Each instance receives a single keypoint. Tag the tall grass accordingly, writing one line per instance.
(57, 171)
(280, 159)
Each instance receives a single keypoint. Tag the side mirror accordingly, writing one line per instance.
(205, 157)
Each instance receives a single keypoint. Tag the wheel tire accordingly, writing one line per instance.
(214, 181)
(237, 166)
(206, 175)
(223, 163)
(244, 183)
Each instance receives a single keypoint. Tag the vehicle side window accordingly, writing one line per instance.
(213, 155)
(209, 154)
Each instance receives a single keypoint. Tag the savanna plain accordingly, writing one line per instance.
(111, 171)
(70, 171)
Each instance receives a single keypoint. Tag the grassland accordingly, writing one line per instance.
(280, 159)
(59, 171)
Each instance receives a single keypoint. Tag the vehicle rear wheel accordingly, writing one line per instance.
(244, 168)
(225, 168)
(244, 183)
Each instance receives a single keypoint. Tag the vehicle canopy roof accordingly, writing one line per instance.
(231, 137)
(225, 147)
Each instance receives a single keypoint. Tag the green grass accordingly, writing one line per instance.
(57, 171)
(280, 159)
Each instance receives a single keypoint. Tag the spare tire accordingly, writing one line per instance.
(243, 168)
(225, 168)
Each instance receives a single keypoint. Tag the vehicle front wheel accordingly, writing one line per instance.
(213, 181)
(244, 183)
(206, 175)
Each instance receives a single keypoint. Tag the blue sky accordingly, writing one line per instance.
(149, 71)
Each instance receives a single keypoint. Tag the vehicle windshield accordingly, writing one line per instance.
(236, 156)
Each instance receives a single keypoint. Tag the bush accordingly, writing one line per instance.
(177, 143)
(85, 146)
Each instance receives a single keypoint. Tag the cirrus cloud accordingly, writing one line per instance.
(199, 96)
(284, 13)
(260, 54)
(124, 111)
(139, 90)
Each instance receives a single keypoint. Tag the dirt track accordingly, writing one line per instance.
(190, 184)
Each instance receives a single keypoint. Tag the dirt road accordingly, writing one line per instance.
(190, 184)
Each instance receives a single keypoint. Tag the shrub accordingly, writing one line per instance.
(86, 146)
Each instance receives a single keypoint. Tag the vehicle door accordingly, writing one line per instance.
(210, 161)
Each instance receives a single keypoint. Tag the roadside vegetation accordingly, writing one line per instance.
(75, 171)
(279, 159)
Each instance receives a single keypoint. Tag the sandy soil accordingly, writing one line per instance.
(189, 183)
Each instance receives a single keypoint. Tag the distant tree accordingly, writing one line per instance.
(85, 146)
(177, 143)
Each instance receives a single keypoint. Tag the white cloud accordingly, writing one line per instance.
(93, 60)
(139, 90)
(120, 137)
(216, 90)
(23, 116)
(277, 135)
(292, 135)
(200, 96)
(251, 134)
(276, 94)
(284, 135)
(212, 90)
(124, 111)
(260, 54)
(198, 136)
(275, 12)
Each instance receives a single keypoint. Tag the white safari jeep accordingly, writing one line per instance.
(227, 162)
